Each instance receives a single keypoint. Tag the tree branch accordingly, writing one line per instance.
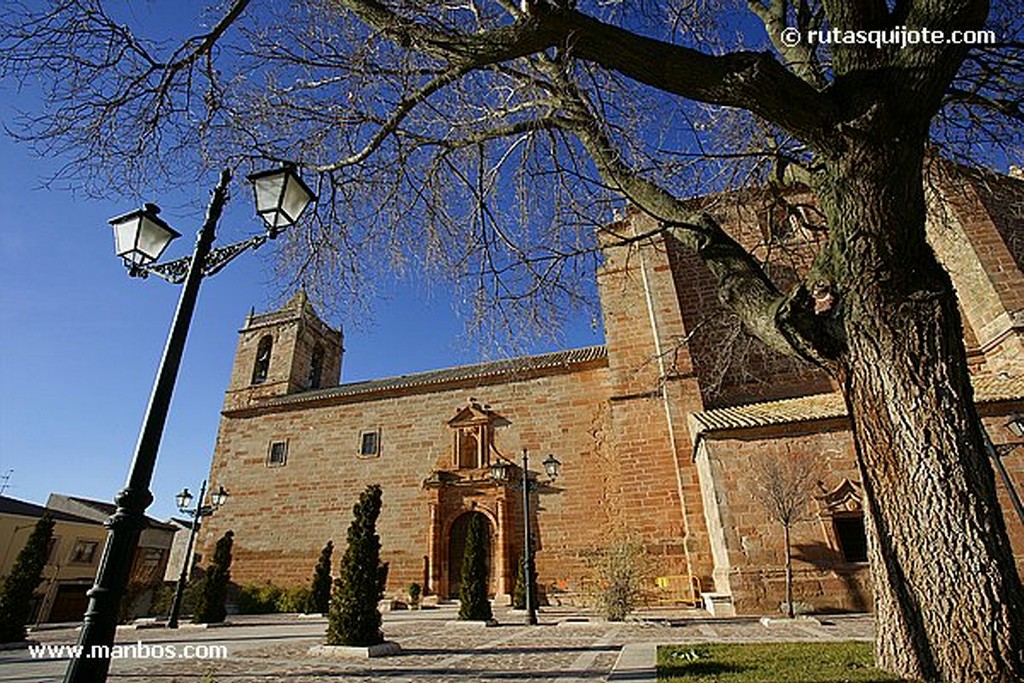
(742, 284)
(754, 81)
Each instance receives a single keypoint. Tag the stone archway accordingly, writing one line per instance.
(457, 547)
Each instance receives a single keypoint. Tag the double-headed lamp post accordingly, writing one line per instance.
(184, 500)
(140, 237)
(996, 452)
(500, 473)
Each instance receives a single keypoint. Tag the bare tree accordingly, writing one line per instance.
(489, 140)
(783, 485)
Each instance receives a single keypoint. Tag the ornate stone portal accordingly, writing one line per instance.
(463, 487)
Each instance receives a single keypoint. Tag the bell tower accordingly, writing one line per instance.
(287, 351)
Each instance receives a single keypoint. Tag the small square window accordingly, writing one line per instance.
(278, 454)
(84, 552)
(369, 444)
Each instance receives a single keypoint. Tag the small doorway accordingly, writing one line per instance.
(457, 548)
(70, 603)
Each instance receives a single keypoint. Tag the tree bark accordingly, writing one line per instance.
(948, 600)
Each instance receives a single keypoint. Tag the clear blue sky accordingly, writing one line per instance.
(80, 341)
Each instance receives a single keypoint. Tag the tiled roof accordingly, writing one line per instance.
(484, 373)
(988, 388)
(108, 509)
(802, 409)
(21, 508)
(1001, 386)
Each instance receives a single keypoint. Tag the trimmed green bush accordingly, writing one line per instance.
(210, 608)
(293, 599)
(473, 602)
(164, 596)
(320, 592)
(268, 598)
(20, 585)
(259, 598)
(353, 618)
(519, 591)
(415, 591)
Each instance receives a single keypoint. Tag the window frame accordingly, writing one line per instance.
(270, 462)
(82, 543)
(314, 379)
(261, 368)
(376, 434)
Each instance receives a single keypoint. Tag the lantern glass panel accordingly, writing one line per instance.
(552, 466)
(219, 497)
(184, 499)
(295, 200)
(124, 235)
(268, 195)
(140, 236)
(153, 238)
(281, 197)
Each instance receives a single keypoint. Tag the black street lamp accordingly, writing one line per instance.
(184, 500)
(997, 451)
(140, 238)
(500, 473)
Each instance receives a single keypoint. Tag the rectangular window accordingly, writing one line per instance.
(278, 453)
(84, 552)
(852, 541)
(51, 551)
(151, 557)
(369, 444)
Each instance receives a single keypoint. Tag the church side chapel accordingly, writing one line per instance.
(663, 433)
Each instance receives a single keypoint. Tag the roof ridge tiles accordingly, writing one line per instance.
(505, 366)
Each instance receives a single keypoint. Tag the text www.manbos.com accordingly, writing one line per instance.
(138, 650)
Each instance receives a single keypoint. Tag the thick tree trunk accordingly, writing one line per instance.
(948, 600)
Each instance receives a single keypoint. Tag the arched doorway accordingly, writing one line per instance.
(457, 548)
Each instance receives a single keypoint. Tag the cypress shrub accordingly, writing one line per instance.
(320, 591)
(519, 591)
(415, 591)
(353, 618)
(210, 608)
(21, 583)
(474, 605)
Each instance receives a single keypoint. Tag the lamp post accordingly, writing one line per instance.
(140, 237)
(184, 500)
(499, 472)
(1016, 427)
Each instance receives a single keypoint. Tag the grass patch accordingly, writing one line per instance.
(774, 662)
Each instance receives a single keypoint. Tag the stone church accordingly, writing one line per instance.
(659, 431)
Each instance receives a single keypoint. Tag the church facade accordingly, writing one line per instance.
(662, 432)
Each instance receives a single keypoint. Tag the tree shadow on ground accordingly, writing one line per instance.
(701, 669)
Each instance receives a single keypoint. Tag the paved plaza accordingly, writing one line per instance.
(566, 647)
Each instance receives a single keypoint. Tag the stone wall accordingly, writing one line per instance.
(282, 515)
(617, 418)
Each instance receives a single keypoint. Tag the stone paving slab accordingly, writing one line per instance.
(562, 649)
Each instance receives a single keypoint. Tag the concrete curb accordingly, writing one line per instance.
(384, 649)
(458, 623)
(637, 663)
